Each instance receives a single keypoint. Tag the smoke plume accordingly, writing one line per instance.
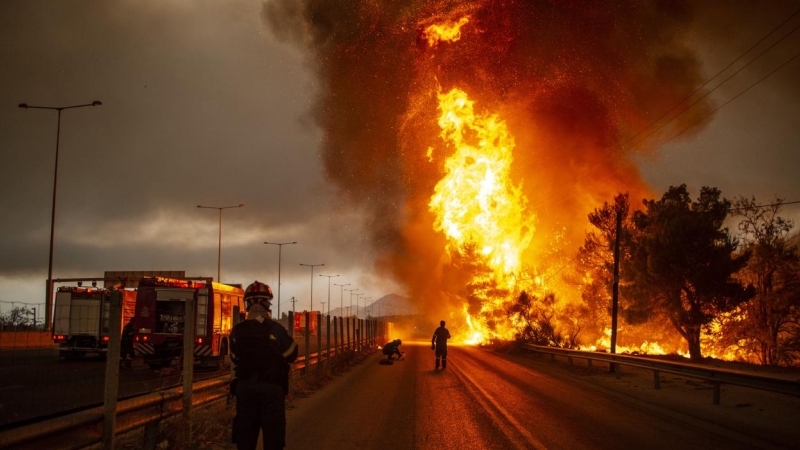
(576, 83)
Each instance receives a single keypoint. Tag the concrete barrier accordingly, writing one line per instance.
(25, 339)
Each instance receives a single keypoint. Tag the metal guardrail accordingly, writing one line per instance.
(83, 429)
(716, 376)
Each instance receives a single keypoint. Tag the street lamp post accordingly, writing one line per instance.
(365, 307)
(350, 308)
(341, 290)
(219, 249)
(280, 246)
(365, 304)
(311, 307)
(49, 299)
(329, 289)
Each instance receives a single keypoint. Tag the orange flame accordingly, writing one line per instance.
(476, 202)
(449, 31)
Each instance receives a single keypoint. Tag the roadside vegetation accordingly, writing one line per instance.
(732, 294)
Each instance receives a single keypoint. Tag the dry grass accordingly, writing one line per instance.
(211, 424)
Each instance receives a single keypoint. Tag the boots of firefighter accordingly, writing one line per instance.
(437, 362)
(444, 362)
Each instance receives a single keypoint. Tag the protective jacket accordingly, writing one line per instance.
(263, 351)
(440, 337)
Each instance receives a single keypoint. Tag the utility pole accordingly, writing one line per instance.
(615, 288)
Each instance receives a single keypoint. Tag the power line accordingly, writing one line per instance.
(714, 77)
(730, 100)
(766, 206)
(579, 179)
(717, 87)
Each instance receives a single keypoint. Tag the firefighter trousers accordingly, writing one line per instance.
(260, 405)
(441, 356)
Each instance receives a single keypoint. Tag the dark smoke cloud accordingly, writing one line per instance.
(576, 82)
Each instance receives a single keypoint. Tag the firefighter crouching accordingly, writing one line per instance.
(261, 351)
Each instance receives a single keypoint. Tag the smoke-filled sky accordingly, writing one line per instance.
(318, 116)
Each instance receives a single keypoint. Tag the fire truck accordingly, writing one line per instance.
(159, 319)
(300, 328)
(81, 318)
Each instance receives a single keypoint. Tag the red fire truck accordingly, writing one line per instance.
(159, 319)
(81, 317)
(300, 328)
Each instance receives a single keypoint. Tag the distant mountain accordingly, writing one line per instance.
(388, 305)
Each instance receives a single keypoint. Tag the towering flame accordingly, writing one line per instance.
(476, 200)
(534, 101)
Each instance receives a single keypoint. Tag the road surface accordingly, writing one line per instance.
(484, 401)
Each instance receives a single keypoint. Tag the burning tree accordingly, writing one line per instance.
(683, 262)
(767, 325)
(596, 259)
(539, 321)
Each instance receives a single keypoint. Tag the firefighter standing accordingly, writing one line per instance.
(126, 344)
(439, 343)
(260, 350)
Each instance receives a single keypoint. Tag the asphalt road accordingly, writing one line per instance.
(484, 401)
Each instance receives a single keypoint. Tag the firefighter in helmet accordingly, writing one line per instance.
(393, 348)
(261, 350)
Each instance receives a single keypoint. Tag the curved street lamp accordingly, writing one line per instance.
(311, 307)
(365, 303)
(350, 308)
(280, 246)
(329, 290)
(341, 302)
(365, 307)
(49, 300)
(219, 249)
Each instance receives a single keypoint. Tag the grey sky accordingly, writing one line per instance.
(201, 105)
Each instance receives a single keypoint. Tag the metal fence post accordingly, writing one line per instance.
(307, 316)
(319, 340)
(328, 345)
(112, 368)
(188, 363)
(349, 346)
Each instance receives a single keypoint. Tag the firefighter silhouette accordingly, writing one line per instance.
(439, 343)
